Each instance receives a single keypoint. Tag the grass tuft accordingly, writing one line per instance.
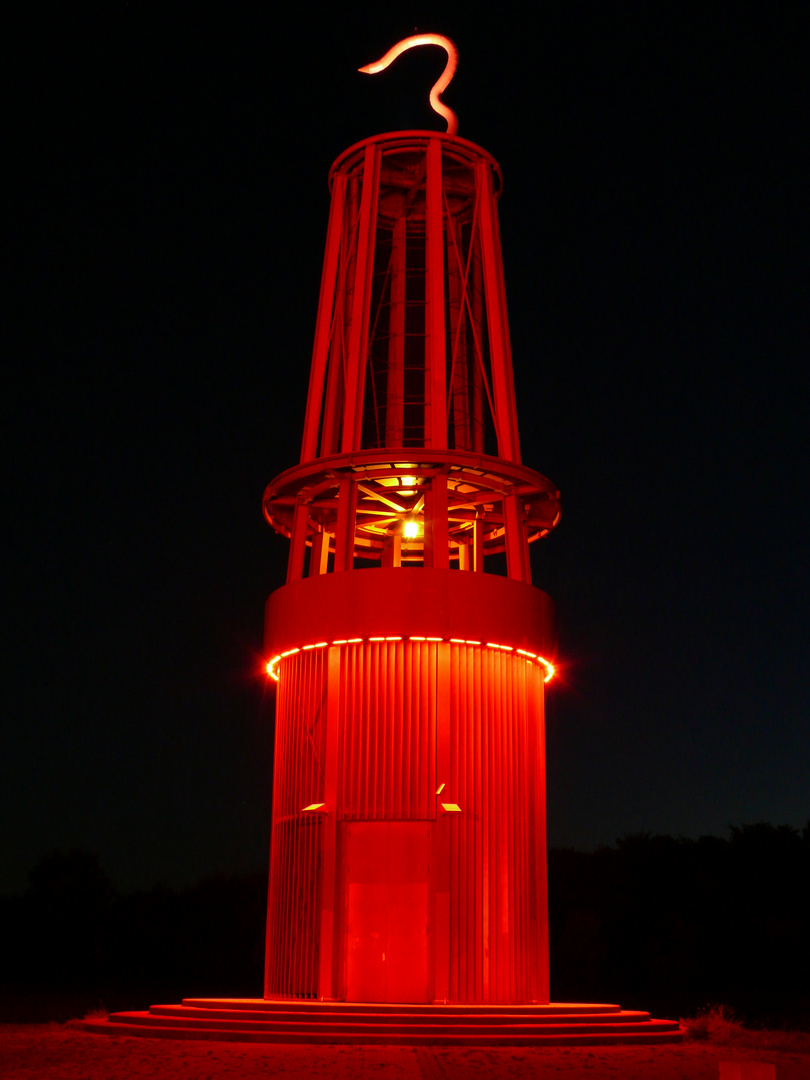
(715, 1023)
(99, 1013)
(718, 1024)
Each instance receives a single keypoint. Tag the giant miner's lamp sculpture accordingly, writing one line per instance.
(408, 846)
(408, 850)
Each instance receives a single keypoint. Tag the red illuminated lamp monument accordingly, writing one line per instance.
(408, 847)
(407, 897)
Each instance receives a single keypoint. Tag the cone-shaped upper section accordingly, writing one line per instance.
(412, 343)
(410, 451)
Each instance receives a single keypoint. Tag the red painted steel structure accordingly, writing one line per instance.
(409, 843)
(408, 859)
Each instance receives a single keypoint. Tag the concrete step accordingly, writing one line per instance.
(330, 1016)
(387, 1038)
(255, 1020)
(309, 1005)
(322, 1028)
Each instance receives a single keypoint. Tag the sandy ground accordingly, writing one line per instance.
(59, 1052)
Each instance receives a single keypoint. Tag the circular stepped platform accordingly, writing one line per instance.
(257, 1020)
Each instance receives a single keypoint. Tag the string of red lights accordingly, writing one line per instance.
(272, 665)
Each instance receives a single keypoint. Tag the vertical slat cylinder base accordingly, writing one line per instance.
(408, 857)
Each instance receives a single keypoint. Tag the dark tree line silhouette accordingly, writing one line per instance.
(674, 925)
(669, 925)
(71, 943)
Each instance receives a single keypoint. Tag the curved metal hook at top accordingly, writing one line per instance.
(442, 82)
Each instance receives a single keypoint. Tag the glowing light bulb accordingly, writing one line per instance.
(408, 481)
(410, 530)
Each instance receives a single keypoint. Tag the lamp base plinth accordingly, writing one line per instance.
(358, 1023)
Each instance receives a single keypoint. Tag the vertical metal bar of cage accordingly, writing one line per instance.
(500, 352)
(323, 326)
(435, 363)
(395, 397)
(361, 302)
(344, 530)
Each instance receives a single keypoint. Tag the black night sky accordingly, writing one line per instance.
(169, 203)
